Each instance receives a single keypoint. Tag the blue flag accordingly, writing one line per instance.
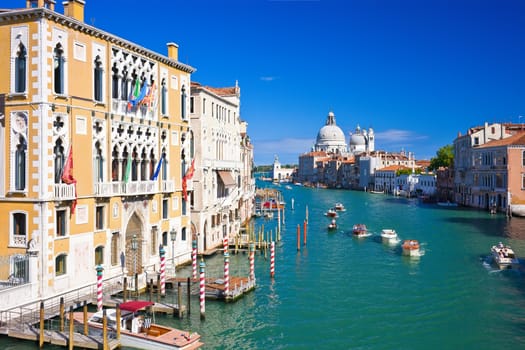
(157, 170)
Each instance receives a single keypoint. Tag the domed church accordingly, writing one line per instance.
(330, 137)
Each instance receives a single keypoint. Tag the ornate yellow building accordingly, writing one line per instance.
(95, 143)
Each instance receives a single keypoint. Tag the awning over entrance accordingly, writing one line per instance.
(227, 178)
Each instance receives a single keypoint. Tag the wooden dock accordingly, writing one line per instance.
(214, 287)
(28, 332)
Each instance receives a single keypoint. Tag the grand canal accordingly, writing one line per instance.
(339, 292)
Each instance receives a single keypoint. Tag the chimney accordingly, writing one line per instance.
(173, 51)
(48, 4)
(74, 9)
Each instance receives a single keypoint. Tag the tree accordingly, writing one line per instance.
(444, 158)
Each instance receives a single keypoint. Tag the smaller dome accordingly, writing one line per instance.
(357, 139)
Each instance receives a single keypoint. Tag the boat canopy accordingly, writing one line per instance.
(135, 305)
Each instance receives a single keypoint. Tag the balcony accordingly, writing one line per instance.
(103, 189)
(167, 186)
(129, 188)
(65, 191)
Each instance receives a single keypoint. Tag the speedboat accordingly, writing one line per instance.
(339, 207)
(388, 235)
(332, 225)
(504, 256)
(410, 247)
(331, 213)
(137, 329)
(359, 230)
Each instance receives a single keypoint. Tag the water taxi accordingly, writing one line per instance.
(332, 225)
(331, 213)
(410, 247)
(503, 255)
(137, 329)
(388, 235)
(339, 207)
(359, 230)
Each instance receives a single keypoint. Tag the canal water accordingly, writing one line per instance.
(340, 292)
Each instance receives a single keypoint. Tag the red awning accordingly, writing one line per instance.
(135, 305)
(227, 178)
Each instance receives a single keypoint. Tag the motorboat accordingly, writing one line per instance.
(332, 225)
(388, 235)
(137, 329)
(503, 255)
(339, 207)
(331, 213)
(359, 230)
(410, 247)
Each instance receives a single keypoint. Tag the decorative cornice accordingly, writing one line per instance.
(38, 13)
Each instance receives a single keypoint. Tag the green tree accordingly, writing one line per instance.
(444, 158)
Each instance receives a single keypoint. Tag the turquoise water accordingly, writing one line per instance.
(340, 292)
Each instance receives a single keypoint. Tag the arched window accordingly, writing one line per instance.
(124, 169)
(61, 265)
(114, 164)
(134, 165)
(124, 85)
(98, 79)
(192, 145)
(58, 66)
(163, 98)
(20, 69)
(58, 152)
(144, 166)
(20, 164)
(152, 165)
(183, 102)
(115, 82)
(98, 166)
(99, 255)
(164, 165)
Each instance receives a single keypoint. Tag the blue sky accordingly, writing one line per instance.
(416, 71)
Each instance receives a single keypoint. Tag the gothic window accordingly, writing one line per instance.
(125, 160)
(152, 165)
(58, 152)
(143, 166)
(98, 166)
(183, 233)
(20, 165)
(165, 208)
(164, 165)
(115, 82)
(98, 79)
(163, 98)
(192, 145)
(61, 265)
(19, 150)
(58, 66)
(99, 255)
(20, 69)
(134, 165)
(114, 164)
(124, 85)
(183, 102)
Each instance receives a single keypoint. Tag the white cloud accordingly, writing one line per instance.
(269, 78)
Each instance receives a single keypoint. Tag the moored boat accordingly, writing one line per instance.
(503, 255)
(410, 247)
(137, 330)
(359, 230)
(388, 235)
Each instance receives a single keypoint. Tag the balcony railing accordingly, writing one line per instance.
(103, 189)
(167, 186)
(64, 191)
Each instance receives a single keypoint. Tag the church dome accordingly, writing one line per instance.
(330, 137)
(357, 140)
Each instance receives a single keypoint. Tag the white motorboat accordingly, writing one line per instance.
(339, 207)
(503, 255)
(388, 235)
(360, 230)
(137, 329)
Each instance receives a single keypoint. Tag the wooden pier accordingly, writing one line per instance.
(214, 287)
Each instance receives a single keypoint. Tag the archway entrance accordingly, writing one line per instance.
(134, 257)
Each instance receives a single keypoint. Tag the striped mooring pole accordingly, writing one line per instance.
(252, 261)
(99, 287)
(162, 254)
(272, 259)
(194, 259)
(226, 273)
(202, 290)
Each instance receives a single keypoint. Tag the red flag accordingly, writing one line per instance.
(188, 176)
(67, 176)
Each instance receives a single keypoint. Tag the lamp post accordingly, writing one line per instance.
(173, 237)
(135, 247)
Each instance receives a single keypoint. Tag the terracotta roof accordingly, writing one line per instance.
(224, 91)
(393, 168)
(516, 139)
